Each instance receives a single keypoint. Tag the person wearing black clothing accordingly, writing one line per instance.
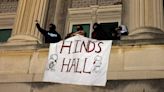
(51, 36)
(98, 32)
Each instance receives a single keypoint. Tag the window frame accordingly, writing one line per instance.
(80, 23)
(9, 30)
(92, 14)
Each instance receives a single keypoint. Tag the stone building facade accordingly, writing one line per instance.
(136, 62)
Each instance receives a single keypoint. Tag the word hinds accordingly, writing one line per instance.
(88, 46)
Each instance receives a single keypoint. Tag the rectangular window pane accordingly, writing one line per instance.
(5, 34)
(86, 28)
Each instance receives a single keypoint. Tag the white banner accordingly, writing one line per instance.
(78, 60)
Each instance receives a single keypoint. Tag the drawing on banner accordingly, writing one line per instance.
(52, 62)
(97, 64)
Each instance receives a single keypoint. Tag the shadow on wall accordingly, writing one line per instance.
(135, 86)
(112, 86)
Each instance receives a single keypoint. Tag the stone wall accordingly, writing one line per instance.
(87, 3)
(8, 6)
(8, 10)
(26, 63)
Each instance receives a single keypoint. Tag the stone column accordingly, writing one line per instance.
(24, 27)
(57, 11)
(60, 15)
(144, 18)
(94, 9)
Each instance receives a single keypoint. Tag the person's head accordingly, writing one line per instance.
(79, 28)
(79, 31)
(119, 28)
(95, 25)
(52, 26)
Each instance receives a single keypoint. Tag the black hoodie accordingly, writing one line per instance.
(51, 36)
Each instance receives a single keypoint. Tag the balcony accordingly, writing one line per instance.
(129, 59)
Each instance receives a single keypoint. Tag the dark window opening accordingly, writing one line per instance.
(5, 34)
(109, 28)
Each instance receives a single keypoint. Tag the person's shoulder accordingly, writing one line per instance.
(123, 26)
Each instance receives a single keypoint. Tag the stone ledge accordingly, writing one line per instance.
(19, 45)
(128, 75)
(35, 45)
(135, 75)
(4, 78)
(138, 42)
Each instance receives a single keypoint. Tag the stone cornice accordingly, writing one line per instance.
(7, 20)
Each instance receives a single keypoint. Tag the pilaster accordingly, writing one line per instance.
(144, 18)
(24, 27)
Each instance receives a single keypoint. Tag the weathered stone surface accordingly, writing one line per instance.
(8, 6)
(126, 62)
(15, 87)
(111, 86)
(144, 58)
(14, 63)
